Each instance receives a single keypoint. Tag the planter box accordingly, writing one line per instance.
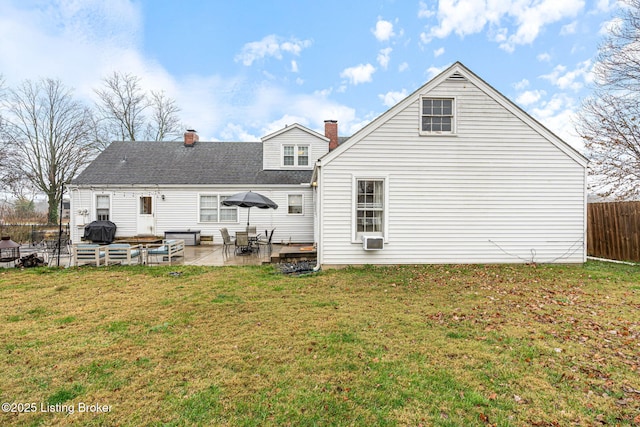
(190, 237)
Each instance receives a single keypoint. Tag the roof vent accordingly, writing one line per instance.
(457, 77)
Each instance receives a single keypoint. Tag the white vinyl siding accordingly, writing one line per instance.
(496, 191)
(306, 149)
(181, 210)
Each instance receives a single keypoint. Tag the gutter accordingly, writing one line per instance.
(317, 176)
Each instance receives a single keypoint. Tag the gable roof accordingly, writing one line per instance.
(458, 72)
(171, 163)
(288, 128)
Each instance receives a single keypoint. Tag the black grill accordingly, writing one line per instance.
(100, 232)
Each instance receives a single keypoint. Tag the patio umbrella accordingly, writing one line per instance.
(250, 200)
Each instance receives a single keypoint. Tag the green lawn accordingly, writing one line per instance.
(245, 346)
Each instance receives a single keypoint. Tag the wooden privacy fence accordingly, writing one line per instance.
(613, 230)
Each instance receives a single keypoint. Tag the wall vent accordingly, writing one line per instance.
(457, 77)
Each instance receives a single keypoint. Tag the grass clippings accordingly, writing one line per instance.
(410, 345)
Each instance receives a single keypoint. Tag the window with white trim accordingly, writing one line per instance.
(295, 155)
(103, 207)
(370, 206)
(212, 209)
(295, 204)
(436, 115)
(228, 213)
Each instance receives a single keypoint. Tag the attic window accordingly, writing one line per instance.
(295, 155)
(437, 116)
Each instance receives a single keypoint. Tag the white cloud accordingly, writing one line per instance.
(605, 5)
(524, 83)
(424, 11)
(93, 36)
(294, 66)
(530, 97)
(559, 115)
(235, 132)
(570, 79)
(466, 17)
(533, 17)
(438, 52)
(383, 30)
(390, 99)
(359, 74)
(543, 57)
(569, 29)
(608, 26)
(270, 46)
(403, 67)
(383, 57)
(434, 71)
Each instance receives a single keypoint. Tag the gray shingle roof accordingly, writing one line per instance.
(158, 163)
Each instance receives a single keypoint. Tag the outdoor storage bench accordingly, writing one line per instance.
(122, 253)
(88, 253)
(170, 249)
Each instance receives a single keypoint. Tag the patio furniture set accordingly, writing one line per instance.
(247, 242)
(124, 253)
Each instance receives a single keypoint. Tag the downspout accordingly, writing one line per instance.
(318, 190)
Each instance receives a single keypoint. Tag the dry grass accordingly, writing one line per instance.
(414, 345)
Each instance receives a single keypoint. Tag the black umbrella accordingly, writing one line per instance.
(250, 200)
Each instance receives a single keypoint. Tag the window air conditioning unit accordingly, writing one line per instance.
(372, 243)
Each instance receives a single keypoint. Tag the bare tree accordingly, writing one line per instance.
(127, 113)
(6, 172)
(164, 121)
(609, 121)
(51, 134)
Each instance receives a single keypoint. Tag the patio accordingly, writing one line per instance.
(204, 254)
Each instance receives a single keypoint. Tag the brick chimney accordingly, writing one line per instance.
(190, 138)
(331, 132)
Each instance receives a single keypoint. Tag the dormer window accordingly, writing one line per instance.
(295, 155)
(437, 116)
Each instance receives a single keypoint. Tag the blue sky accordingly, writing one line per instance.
(241, 70)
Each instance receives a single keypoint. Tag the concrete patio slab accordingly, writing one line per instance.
(204, 254)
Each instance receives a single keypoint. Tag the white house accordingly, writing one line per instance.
(454, 173)
(147, 188)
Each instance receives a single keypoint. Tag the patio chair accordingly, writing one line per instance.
(168, 250)
(123, 253)
(53, 248)
(242, 243)
(88, 253)
(266, 240)
(251, 229)
(227, 240)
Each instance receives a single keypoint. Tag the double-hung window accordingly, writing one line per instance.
(437, 115)
(370, 206)
(228, 213)
(103, 207)
(295, 204)
(212, 209)
(208, 208)
(295, 155)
